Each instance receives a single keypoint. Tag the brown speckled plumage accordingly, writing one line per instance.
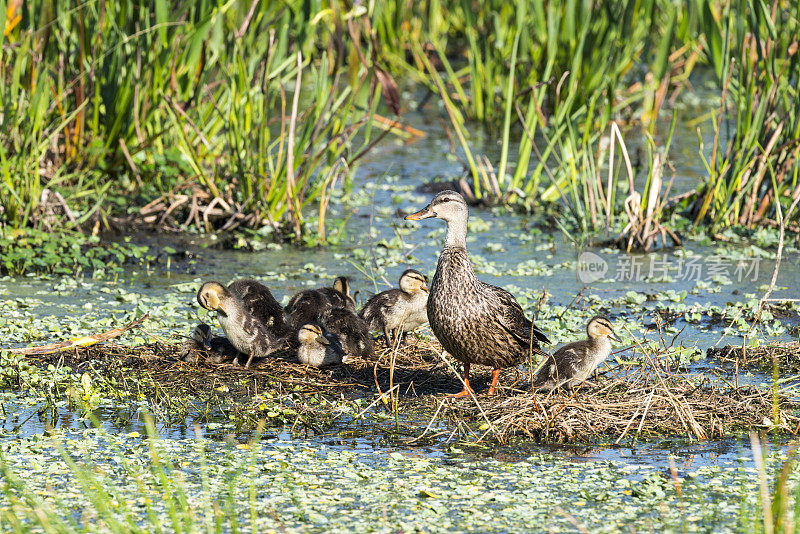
(476, 322)
(351, 330)
(574, 362)
(399, 310)
(258, 300)
(308, 305)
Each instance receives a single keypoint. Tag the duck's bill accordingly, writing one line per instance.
(324, 340)
(424, 213)
(614, 337)
(424, 288)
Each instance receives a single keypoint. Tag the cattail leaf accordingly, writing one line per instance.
(665, 46)
(162, 18)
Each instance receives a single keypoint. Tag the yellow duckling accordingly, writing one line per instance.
(318, 348)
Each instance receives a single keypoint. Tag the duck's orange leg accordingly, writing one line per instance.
(495, 376)
(467, 390)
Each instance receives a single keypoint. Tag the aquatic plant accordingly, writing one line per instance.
(559, 70)
(72, 253)
(223, 115)
(139, 482)
(754, 161)
(776, 511)
(555, 75)
(232, 114)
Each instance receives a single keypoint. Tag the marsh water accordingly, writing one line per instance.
(666, 294)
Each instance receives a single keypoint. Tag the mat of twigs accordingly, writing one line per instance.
(640, 405)
(414, 369)
(645, 403)
(762, 358)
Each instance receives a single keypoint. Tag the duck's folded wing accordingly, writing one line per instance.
(513, 320)
(259, 301)
(560, 366)
(378, 305)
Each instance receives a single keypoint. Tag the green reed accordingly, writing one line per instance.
(163, 501)
(548, 78)
(754, 158)
(265, 106)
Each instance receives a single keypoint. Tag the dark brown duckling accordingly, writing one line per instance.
(574, 362)
(399, 310)
(351, 330)
(307, 305)
(319, 348)
(258, 300)
(196, 342)
(216, 349)
(247, 333)
(476, 322)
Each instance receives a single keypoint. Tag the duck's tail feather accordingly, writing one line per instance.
(539, 334)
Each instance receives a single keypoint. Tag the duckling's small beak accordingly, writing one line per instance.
(613, 336)
(424, 213)
(424, 288)
(324, 340)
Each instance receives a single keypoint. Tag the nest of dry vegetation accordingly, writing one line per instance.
(647, 405)
(648, 402)
(158, 371)
(762, 358)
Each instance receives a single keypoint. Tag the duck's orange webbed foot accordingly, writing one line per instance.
(495, 376)
(467, 390)
(463, 393)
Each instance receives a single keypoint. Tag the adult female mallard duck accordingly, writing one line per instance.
(242, 328)
(351, 330)
(307, 305)
(399, 310)
(574, 362)
(318, 348)
(476, 323)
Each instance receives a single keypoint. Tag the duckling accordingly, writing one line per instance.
(351, 330)
(216, 349)
(399, 310)
(248, 334)
(258, 300)
(574, 362)
(476, 323)
(307, 305)
(318, 348)
(197, 341)
(339, 294)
